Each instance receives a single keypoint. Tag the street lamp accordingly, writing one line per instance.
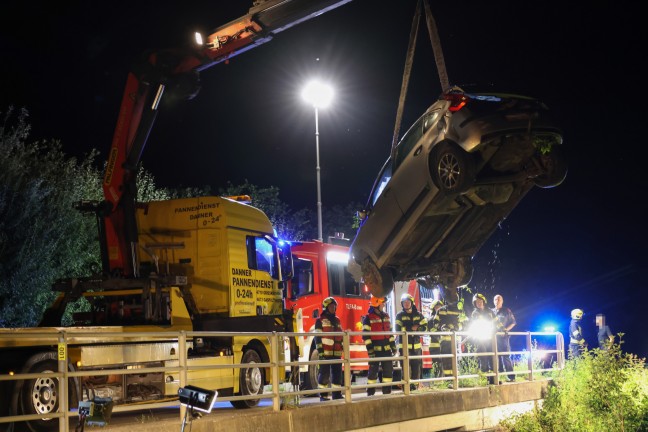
(319, 95)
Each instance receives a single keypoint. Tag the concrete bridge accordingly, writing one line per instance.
(465, 409)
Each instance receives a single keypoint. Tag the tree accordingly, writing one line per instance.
(42, 238)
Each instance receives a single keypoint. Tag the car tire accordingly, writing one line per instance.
(554, 169)
(379, 281)
(452, 169)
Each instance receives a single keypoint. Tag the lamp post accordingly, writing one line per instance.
(319, 95)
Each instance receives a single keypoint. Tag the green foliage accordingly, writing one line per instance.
(605, 390)
(42, 237)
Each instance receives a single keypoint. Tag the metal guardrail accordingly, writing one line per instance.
(63, 338)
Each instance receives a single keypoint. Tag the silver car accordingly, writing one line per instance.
(457, 172)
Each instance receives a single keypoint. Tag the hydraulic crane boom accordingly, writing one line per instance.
(174, 70)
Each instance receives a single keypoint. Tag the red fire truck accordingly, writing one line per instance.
(320, 272)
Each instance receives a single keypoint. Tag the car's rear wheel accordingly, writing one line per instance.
(452, 169)
(554, 168)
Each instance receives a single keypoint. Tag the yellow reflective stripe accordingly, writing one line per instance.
(386, 380)
(372, 381)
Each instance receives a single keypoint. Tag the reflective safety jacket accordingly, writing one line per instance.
(377, 321)
(434, 326)
(329, 346)
(405, 321)
(576, 333)
(450, 319)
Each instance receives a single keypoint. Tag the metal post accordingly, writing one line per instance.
(274, 371)
(530, 359)
(319, 187)
(182, 362)
(347, 366)
(64, 421)
(455, 362)
(405, 364)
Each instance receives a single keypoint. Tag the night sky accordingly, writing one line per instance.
(581, 244)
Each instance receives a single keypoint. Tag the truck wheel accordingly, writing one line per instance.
(251, 380)
(41, 395)
(313, 371)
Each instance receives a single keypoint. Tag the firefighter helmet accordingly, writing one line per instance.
(407, 296)
(376, 301)
(577, 314)
(479, 296)
(327, 301)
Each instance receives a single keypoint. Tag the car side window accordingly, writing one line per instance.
(413, 136)
(430, 119)
(384, 178)
(407, 143)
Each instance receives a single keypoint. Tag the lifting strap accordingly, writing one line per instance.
(409, 59)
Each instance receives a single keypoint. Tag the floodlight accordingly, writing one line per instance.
(95, 412)
(197, 398)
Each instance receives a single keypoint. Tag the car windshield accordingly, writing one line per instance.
(384, 178)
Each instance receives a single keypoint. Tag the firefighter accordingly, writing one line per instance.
(329, 348)
(411, 320)
(379, 346)
(449, 320)
(482, 326)
(505, 322)
(577, 344)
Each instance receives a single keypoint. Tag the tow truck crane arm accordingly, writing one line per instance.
(147, 82)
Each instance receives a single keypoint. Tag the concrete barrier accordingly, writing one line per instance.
(464, 409)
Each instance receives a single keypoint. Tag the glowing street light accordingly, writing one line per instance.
(319, 95)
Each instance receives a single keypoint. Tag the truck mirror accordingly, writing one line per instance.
(285, 260)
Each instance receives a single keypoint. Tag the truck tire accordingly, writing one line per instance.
(313, 371)
(251, 380)
(41, 395)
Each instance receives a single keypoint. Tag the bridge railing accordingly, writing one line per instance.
(280, 391)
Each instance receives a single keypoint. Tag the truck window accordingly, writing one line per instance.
(301, 283)
(341, 283)
(261, 254)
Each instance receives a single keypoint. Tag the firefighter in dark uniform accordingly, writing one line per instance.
(379, 346)
(435, 341)
(449, 321)
(329, 348)
(577, 344)
(411, 320)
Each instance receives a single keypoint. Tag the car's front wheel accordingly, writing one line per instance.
(452, 169)
(554, 168)
(379, 281)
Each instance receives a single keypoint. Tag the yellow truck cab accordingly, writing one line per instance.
(206, 264)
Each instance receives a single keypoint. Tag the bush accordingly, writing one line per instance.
(605, 390)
